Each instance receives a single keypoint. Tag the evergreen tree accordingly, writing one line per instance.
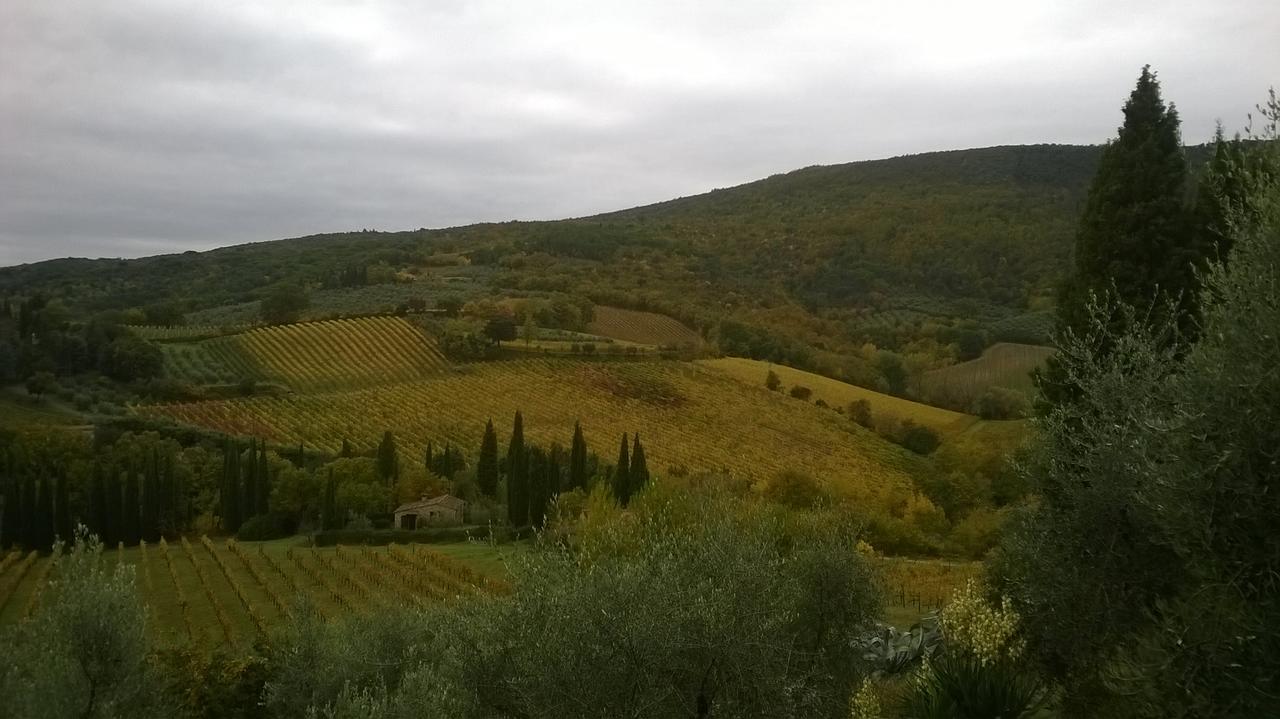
(487, 464)
(639, 470)
(539, 489)
(150, 524)
(11, 522)
(1133, 243)
(517, 476)
(97, 515)
(231, 516)
(329, 509)
(115, 506)
(346, 448)
(578, 459)
(28, 504)
(388, 463)
(622, 475)
(249, 500)
(42, 521)
(131, 522)
(263, 482)
(62, 511)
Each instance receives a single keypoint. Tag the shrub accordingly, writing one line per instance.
(919, 439)
(1001, 403)
(860, 412)
(772, 381)
(801, 392)
(276, 525)
(434, 535)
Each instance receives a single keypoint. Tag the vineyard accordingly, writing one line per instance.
(641, 327)
(213, 593)
(1005, 364)
(919, 586)
(690, 416)
(840, 394)
(311, 356)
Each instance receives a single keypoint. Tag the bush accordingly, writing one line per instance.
(1001, 403)
(860, 412)
(919, 439)
(276, 525)
(772, 381)
(801, 392)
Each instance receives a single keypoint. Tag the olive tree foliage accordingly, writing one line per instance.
(85, 653)
(1148, 574)
(689, 607)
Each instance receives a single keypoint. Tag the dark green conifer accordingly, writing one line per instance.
(388, 462)
(231, 491)
(150, 524)
(249, 499)
(487, 463)
(639, 470)
(131, 524)
(622, 475)
(328, 508)
(62, 511)
(263, 482)
(1133, 243)
(539, 487)
(517, 476)
(42, 522)
(578, 459)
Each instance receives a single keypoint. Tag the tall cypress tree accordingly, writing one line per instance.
(622, 475)
(487, 463)
(639, 474)
(231, 516)
(388, 463)
(131, 524)
(578, 459)
(539, 491)
(62, 511)
(517, 476)
(115, 506)
(262, 483)
(97, 515)
(28, 503)
(249, 498)
(150, 524)
(328, 508)
(11, 523)
(43, 534)
(1133, 243)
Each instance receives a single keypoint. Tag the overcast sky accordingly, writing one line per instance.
(136, 127)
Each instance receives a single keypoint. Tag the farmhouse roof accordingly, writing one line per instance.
(447, 501)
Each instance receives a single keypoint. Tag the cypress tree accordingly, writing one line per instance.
(263, 482)
(328, 509)
(10, 523)
(97, 518)
(639, 470)
(249, 501)
(28, 503)
(62, 511)
(388, 467)
(487, 463)
(150, 525)
(517, 476)
(231, 517)
(1133, 243)
(578, 459)
(429, 458)
(42, 522)
(115, 507)
(622, 475)
(539, 492)
(131, 524)
(346, 448)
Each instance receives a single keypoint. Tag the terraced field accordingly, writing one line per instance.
(840, 394)
(689, 415)
(215, 593)
(311, 356)
(641, 327)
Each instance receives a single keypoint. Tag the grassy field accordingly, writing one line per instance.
(688, 415)
(310, 356)
(217, 593)
(1005, 364)
(641, 327)
(19, 410)
(840, 394)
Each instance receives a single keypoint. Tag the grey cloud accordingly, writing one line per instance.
(144, 126)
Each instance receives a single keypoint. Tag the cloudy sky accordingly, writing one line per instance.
(135, 127)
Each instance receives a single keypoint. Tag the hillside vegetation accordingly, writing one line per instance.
(647, 328)
(692, 419)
